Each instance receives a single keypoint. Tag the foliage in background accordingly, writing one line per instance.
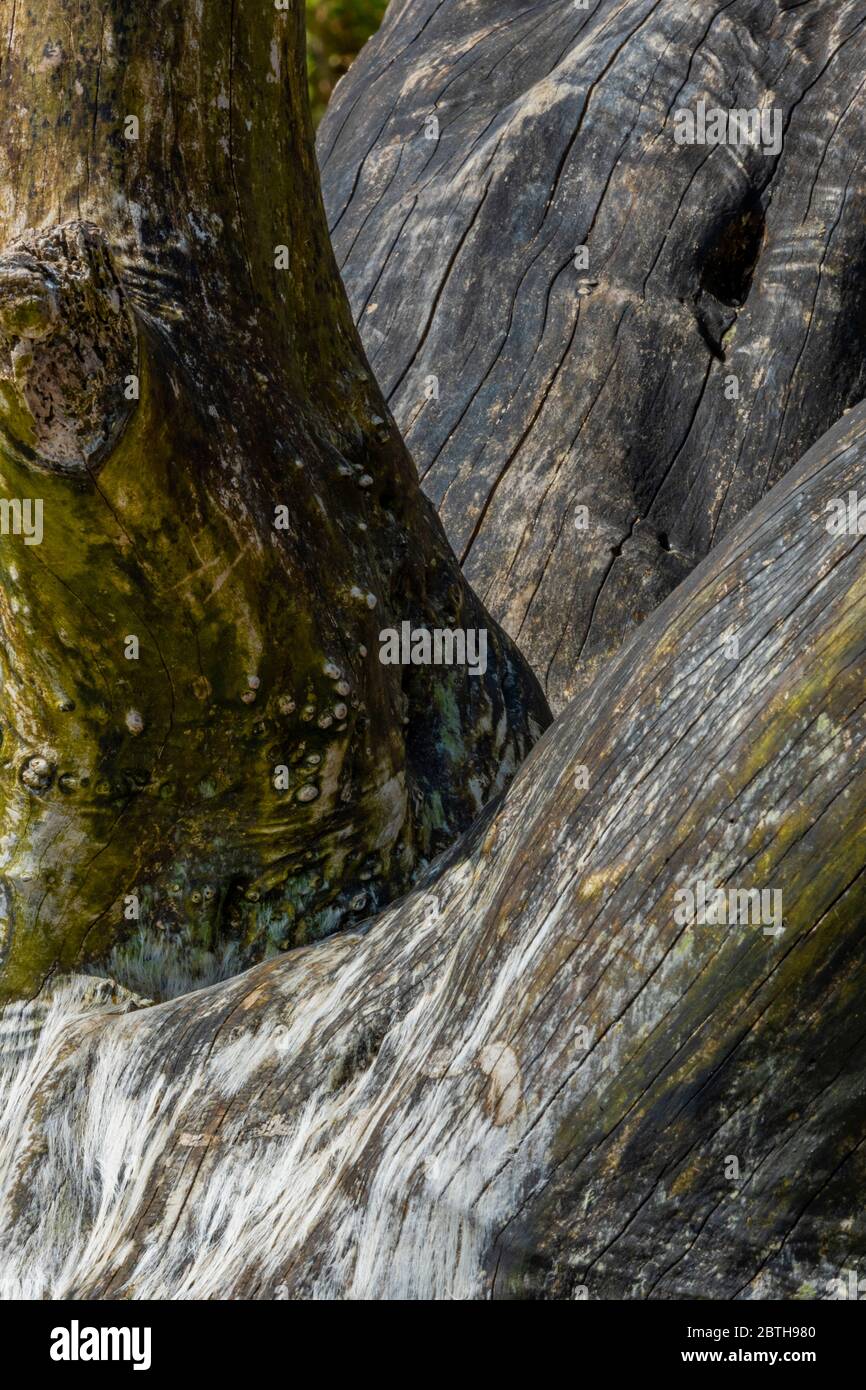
(336, 30)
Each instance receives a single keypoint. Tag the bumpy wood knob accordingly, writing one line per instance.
(68, 349)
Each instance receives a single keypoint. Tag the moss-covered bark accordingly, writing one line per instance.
(229, 517)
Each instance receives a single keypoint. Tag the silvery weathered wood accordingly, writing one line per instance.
(471, 149)
(531, 1077)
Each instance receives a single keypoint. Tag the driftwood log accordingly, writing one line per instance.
(568, 309)
(531, 1078)
(208, 516)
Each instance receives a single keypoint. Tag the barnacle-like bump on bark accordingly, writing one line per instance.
(37, 773)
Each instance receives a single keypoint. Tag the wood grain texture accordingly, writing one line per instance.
(527, 1079)
(603, 387)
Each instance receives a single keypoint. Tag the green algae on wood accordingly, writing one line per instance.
(229, 518)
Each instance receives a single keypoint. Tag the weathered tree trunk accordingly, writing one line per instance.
(196, 726)
(711, 332)
(530, 1078)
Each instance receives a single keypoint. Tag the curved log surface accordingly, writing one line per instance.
(531, 1078)
(208, 516)
(663, 380)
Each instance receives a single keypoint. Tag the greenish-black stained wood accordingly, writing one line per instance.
(177, 362)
